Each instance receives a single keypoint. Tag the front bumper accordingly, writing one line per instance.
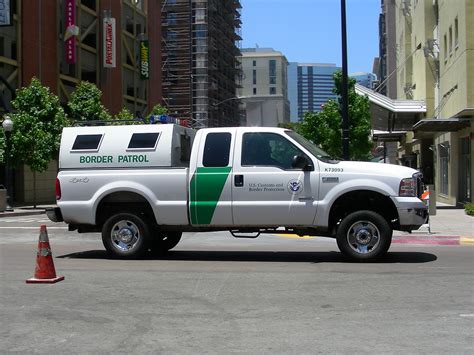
(412, 212)
(412, 218)
(54, 214)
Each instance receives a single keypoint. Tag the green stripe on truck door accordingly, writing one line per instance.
(206, 189)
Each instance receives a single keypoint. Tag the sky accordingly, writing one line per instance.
(309, 31)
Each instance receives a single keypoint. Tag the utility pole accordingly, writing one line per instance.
(345, 89)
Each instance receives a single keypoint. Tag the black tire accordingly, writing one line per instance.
(364, 236)
(164, 241)
(126, 235)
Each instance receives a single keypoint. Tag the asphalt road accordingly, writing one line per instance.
(216, 294)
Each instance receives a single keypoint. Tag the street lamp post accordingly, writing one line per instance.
(345, 89)
(7, 127)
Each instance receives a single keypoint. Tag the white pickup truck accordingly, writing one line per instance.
(141, 186)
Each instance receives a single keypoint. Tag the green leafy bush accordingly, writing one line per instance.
(469, 208)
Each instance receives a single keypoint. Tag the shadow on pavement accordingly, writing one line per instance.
(262, 256)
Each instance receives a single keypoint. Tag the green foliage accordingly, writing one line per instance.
(124, 114)
(125, 117)
(469, 208)
(2, 145)
(85, 103)
(325, 128)
(37, 124)
(158, 110)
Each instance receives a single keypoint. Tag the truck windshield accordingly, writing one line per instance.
(315, 150)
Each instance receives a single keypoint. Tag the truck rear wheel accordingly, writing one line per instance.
(126, 235)
(364, 236)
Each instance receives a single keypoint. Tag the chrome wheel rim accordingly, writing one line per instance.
(363, 237)
(125, 235)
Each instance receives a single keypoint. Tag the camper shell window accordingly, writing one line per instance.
(89, 142)
(143, 141)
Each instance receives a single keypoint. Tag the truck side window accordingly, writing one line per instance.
(87, 142)
(217, 149)
(268, 149)
(143, 140)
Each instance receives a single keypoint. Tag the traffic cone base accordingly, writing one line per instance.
(44, 281)
(45, 272)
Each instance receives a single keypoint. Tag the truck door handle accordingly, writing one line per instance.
(239, 180)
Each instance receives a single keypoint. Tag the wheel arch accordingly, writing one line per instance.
(122, 201)
(353, 201)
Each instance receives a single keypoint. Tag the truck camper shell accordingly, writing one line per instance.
(165, 145)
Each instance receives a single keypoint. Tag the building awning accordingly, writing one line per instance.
(396, 106)
(441, 124)
(392, 115)
(386, 136)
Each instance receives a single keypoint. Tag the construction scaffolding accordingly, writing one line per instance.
(176, 53)
(200, 69)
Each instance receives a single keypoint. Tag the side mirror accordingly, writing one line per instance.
(302, 162)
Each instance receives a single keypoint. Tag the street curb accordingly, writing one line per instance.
(21, 214)
(428, 240)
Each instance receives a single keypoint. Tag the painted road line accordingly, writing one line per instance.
(467, 240)
(294, 236)
(425, 241)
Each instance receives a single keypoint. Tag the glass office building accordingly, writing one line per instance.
(310, 86)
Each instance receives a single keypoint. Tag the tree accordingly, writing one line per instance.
(325, 128)
(85, 103)
(37, 124)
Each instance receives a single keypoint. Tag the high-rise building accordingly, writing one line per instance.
(435, 41)
(63, 42)
(265, 87)
(200, 69)
(388, 50)
(113, 44)
(310, 86)
(365, 79)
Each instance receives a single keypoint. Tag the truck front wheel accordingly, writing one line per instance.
(364, 236)
(126, 235)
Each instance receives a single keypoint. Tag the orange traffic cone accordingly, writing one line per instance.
(44, 272)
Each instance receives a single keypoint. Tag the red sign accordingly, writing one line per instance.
(70, 21)
(109, 43)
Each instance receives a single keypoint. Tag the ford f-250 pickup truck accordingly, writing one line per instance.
(141, 186)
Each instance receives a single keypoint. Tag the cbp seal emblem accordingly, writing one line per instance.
(294, 186)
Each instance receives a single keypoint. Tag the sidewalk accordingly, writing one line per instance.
(26, 211)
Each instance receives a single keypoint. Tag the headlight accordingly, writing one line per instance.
(407, 188)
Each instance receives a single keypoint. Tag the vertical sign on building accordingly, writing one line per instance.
(144, 60)
(109, 42)
(70, 21)
(5, 13)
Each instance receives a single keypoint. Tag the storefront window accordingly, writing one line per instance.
(443, 149)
